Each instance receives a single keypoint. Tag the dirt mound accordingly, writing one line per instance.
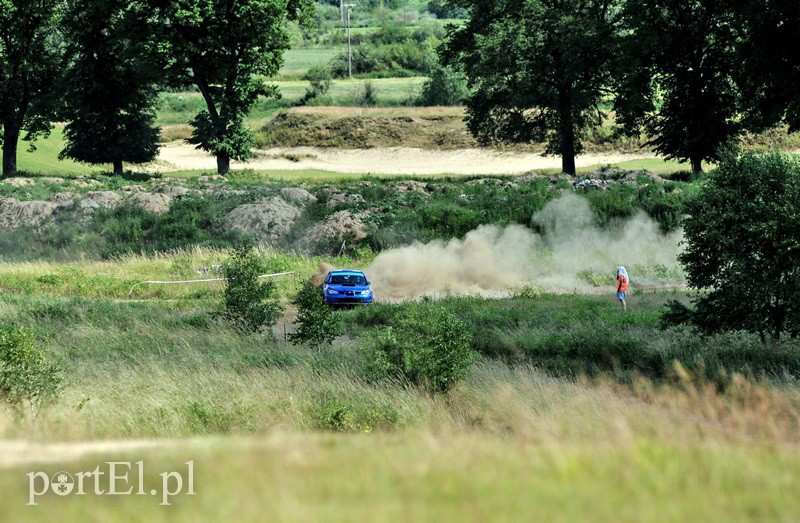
(61, 197)
(339, 198)
(408, 186)
(328, 235)
(107, 199)
(173, 191)
(268, 221)
(14, 213)
(297, 194)
(19, 182)
(155, 203)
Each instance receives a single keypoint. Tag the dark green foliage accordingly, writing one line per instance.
(408, 58)
(623, 201)
(111, 84)
(768, 71)
(427, 345)
(675, 314)
(444, 9)
(393, 51)
(28, 378)
(443, 87)
(250, 303)
(743, 246)
(30, 71)
(676, 76)
(317, 324)
(321, 79)
(226, 49)
(538, 69)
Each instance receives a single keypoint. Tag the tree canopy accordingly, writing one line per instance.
(111, 84)
(538, 69)
(227, 49)
(743, 246)
(30, 71)
(676, 80)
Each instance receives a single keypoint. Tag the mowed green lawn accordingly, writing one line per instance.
(44, 160)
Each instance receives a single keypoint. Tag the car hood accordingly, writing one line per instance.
(344, 288)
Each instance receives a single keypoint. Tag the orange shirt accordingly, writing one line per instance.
(622, 283)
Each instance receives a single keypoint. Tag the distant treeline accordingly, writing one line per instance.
(691, 75)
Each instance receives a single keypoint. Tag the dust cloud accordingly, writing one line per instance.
(572, 254)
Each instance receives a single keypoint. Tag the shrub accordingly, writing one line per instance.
(368, 97)
(428, 346)
(250, 303)
(316, 322)
(27, 376)
(321, 80)
(742, 246)
(443, 87)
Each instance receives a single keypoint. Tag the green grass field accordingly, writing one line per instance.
(44, 160)
(253, 414)
(296, 62)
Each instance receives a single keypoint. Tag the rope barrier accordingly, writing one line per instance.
(170, 282)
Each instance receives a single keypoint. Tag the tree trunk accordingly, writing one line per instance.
(568, 164)
(118, 168)
(697, 164)
(223, 164)
(10, 140)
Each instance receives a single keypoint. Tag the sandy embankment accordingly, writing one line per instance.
(387, 161)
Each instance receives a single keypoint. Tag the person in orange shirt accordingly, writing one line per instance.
(622, 287)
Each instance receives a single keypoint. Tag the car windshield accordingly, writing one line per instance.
(348, 279)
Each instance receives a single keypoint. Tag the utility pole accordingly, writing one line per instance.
(349, 51)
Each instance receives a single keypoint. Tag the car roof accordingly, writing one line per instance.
(346, 271)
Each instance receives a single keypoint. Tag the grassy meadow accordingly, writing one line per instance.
(571, 411)
(292, 433)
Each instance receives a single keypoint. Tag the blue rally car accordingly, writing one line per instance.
(346, 287)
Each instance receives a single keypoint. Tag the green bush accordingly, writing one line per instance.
(250, 303)
(316, 322)
(443, 87)
(321, 80)
(27, 376)
(368, 96)
(428, 346)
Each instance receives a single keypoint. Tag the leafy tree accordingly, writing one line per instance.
(29, 72)
(443, 87)
(743, 246)
(676, 76)
(769, 70)
(27, 376)
(316, 322)
(250, 303)
(226, 49)
(111, 84)
(538, 68)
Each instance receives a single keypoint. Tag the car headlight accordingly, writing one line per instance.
(367, 292)
(331, 291)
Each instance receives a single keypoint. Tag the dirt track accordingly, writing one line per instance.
(15, 453)
(392, 160)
